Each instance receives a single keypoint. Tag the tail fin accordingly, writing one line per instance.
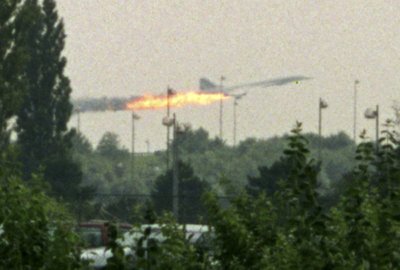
(207, 85)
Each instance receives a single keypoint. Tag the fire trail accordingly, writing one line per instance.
(177, 100)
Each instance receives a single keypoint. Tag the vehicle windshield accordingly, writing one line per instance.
(91, 236)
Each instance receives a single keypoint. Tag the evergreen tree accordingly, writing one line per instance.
(191, 189)
(109, 146)
(268, 179)
(43, 136)
(81, 144)
(12, 26)
(196, 141)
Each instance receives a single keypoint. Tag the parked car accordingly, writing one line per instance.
(200, 236)
(194, 233)
(95, 238)
(95, 235)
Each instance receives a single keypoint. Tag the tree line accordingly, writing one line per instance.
(254, 164)
(290, 228)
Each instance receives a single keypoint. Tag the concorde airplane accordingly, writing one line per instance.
(206, 86)
(210, 87)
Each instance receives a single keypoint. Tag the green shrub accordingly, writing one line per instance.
(36, 232)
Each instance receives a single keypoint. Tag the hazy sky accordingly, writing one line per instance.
(131, 47)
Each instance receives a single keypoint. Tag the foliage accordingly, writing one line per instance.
(35, 230)
(268, 179)
(110, 171)
(168, 249)
(118, 260)
(211, 160)
(109, 146)
(387, 180)
(12, 59)
(81, 145)
(43, 136)
(337, 141)
(191, 189)
(285, 229)
(245, 160)
(109, 166)
(196, 141)
(290, 229)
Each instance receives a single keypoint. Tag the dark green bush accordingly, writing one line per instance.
(36, 232)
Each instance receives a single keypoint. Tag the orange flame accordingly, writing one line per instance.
(150, 102)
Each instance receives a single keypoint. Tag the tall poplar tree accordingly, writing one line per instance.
(11, 64)
(43, 135)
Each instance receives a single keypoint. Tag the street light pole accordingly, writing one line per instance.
(175, 175)
(148, 146)
(134, 117)
(322, 105)
(319, 118)
(377, 126)
(371, 114)
(221, 104)
(78, 118)
(356, 82)
(170, 92)
(168, 122)
(235, 103)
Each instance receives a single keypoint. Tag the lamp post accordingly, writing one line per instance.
(221, 104)
(170, 92)
(235, 104)
(168, 122)
(78, 118)
(77, 111)
(356, 82)
(175, 176)
(148, 146)
(322, 105)
(374, 114)
(134, 118)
